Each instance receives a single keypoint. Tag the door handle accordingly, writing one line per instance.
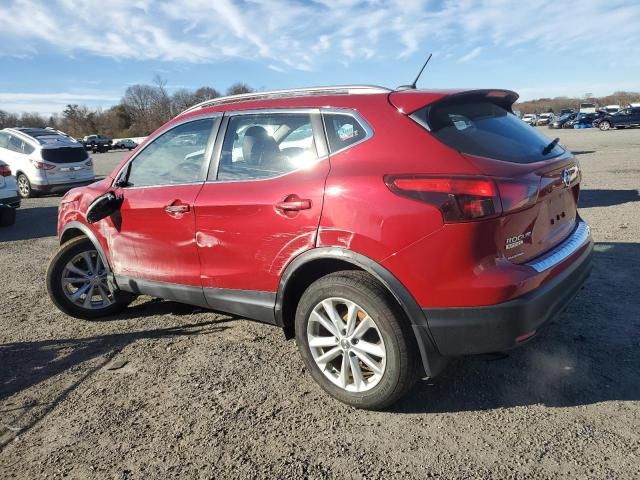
(177, 209)
(294, 205)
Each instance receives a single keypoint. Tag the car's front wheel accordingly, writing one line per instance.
(605, 125)
(355, 341)
(77, 282)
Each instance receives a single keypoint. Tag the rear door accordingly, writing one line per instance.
(260, 206)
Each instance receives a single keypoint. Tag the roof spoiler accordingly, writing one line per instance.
(408, 101)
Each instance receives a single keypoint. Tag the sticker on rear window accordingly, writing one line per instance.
(346, 131)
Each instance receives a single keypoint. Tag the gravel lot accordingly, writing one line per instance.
(208, 396)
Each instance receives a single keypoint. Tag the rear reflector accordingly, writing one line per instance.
(458, 198)
(5, 171)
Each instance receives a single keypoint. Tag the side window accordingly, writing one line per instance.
(27, 149)
(4, 140)
(342, 131)
(175, 157)
(15, 144)
(266, 145)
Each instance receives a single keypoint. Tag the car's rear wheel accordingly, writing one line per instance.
(355, 341)
(24, 186)
(78, 285)
(605, 125)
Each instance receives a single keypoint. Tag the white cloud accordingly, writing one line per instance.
(471, 55)
(290, 34)
(54, 102)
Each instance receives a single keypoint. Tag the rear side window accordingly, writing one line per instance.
(485, 129)
(343, 130)
(4, 140)
(64, 155)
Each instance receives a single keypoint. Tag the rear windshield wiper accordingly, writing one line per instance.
(550, 147)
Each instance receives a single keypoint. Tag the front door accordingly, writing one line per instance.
(260, 206)
(152, 236)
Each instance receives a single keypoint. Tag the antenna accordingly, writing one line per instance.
(415, 82)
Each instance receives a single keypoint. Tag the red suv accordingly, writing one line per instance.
(387, 231)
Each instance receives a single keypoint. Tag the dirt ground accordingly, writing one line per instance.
(208, 396)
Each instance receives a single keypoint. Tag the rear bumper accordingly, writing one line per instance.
(495, 328)
(60, 187)
(10, 201)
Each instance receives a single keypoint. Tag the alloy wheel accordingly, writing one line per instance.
(84, 281)
(346, 344)
(23, 186)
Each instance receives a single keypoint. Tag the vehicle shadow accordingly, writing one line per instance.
(582, 152)
(606, 198)
(587, 354)
(26, 364)
(35, 222)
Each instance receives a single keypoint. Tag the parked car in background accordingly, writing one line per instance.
(125, 143)
(44, 161)
(9, 199)
(385, 230)
(587, 108)
(566, 111)
(627, 117)
(97, 143)
(544, 119)
(583, 120)
(560, 121)
(610, 109)
(529, 118)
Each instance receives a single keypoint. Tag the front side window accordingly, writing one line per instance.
(342, 131)
(175, 157)
(259, 146)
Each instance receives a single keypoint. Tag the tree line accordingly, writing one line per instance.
(142, 109)
(544, 105)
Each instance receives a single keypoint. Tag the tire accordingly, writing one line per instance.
(7, 216)
(605, 125)
(24, 186)
(390, 335)
(115, 302)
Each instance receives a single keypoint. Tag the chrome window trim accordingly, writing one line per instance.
(318, 135)
(216, 116)
(570, 245)
(368, 129)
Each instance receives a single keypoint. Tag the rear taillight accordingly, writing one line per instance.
(5, 171)
(89, 163)
(42, 165)
(458, 198)
(468, 198)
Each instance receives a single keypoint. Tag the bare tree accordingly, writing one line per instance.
(238, 88)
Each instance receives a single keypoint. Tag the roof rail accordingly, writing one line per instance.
(294, 92)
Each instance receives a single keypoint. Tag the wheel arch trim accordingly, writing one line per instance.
(87, 232)
(432, 361)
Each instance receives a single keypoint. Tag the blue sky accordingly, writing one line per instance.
(54, 52)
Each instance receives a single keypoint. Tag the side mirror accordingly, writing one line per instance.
(103, 206)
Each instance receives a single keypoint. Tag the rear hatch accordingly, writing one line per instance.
(69, 159)
(537, 180)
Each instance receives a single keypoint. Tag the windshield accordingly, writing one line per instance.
(482, 128)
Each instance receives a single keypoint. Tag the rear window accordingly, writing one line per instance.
(485, 129)
(64, 155)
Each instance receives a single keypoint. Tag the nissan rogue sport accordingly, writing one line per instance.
(386, 231)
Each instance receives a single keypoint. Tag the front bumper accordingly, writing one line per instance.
(496, 328)
(11, 201)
